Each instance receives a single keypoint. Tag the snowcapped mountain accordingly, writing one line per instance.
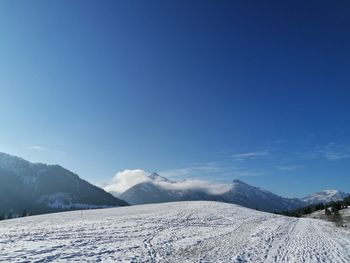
(325, 197)
(41, 188)
(159, 190)
(157, 178)
(258, 198)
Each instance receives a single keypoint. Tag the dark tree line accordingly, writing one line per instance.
(299, 212)
(10, 215)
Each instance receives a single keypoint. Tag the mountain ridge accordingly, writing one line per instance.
(40, 188)
(325, 196)
(239, 192)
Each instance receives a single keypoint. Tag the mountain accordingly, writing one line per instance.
(159, 190)
(157, 178)
(325, 197)
(258, 198)
(155, 191)
(40, 188)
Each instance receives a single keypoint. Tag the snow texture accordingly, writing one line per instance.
(172, 232)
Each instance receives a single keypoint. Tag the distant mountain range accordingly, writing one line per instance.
(159, 189)
(40, 188)
(324, 197)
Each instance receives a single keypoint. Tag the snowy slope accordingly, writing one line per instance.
(325, 196)
(172, 232)
(344, 219)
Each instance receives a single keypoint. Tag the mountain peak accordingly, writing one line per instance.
(236, 181)
(156, 177)
(330, 191)
(325, 196)
(239, 185)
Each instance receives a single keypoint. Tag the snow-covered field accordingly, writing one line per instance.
(172, 232)
(344, 217)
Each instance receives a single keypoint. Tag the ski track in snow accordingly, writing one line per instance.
(172, 232)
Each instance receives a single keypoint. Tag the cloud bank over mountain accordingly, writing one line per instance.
(123, 180)
(128, 178)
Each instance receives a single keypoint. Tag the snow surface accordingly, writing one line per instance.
(344, 220)
(172, 232)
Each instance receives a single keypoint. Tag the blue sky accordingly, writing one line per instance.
(250, 90)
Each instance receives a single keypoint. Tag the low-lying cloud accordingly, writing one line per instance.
(205, 186)
(128, 178)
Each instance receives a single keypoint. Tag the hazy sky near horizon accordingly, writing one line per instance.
(249, 90)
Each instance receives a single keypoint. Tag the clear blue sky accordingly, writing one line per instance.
(219, 90)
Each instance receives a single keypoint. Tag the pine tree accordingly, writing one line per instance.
(24, 214)
(9, 215)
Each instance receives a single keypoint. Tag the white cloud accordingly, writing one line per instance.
(208, 168)
(126, 179)
(250, 155)
(39, 148)
(336, 155)
(279, 141)
(36, 148)
(206, 186)
(243, 172)
(330, 152)
(289, 167)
